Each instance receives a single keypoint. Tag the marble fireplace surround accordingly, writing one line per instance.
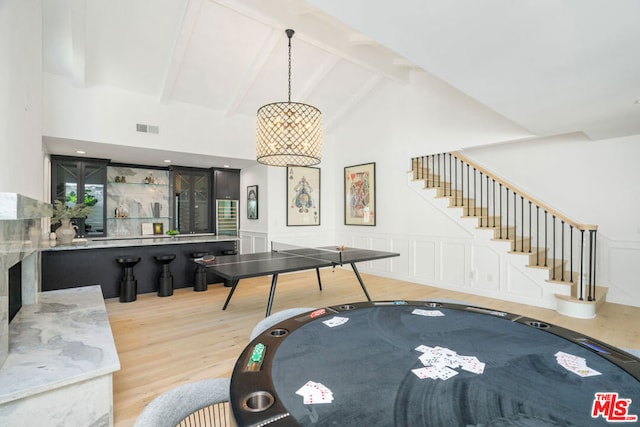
(20, 234)
(57, 356)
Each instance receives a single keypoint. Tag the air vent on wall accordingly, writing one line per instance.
(147, 128)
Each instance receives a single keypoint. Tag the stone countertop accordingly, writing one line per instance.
(136, 241)
(63, 339)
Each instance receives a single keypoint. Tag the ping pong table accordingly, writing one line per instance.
(285, 258)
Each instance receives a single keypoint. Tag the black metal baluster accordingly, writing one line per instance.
(562, 250)
(500, 185)
(522, 223)
(530, 230)
(594, 233)
(571, 253)
(546, 233)
(452, 178)
(455, 165)
(553, 261)
(488, 206)
(494, 203)
(592, 266)
(581, 263)
(433, 170)
(468, 193)
(475, 194)
(481, 216)
(444, 174)
(537, 235)
(439, 174)
(515, 221)
(507, 227)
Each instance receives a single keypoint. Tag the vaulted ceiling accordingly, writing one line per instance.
(551, 66)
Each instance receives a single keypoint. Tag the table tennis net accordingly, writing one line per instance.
(307, 251)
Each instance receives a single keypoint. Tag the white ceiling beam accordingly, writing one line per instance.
(314, 27)
(187, 26)
(314, 80)
(353, 102)
(78, 21)
(252, 72)
(360, 39)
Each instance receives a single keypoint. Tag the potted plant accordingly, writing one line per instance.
(172, 232)
(64, 214)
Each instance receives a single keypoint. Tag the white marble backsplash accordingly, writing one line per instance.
(136, 196)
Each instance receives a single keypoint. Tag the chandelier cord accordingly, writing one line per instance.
(289, 34)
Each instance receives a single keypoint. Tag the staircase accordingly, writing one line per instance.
(548, 239)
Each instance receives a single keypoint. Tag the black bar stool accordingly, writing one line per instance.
(200, 275)
(128, 283)
(165, 282)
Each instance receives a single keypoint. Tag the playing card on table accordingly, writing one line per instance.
(575, 364)
(313, 393)
(428, 313)
(335, 321)
(446, 373)
(471, 364)
(441, 362)
(426, 372)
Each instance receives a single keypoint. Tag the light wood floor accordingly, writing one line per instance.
(164, 342)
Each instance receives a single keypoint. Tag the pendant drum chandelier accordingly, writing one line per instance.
(289, 133)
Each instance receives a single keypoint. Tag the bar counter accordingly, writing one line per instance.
(87, 262)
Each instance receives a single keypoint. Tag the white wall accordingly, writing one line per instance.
(593, 182)
(21, 156)
(109, 115)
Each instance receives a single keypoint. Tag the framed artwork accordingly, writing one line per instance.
(158, 228)
(252, 202)
(360, 194)
(303, 196)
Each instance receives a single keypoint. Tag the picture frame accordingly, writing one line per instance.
(147, 228)
(303, 196)
(252, 202)
(360, 194)
(158, 228)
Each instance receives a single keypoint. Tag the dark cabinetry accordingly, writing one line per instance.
(226, 184)
(81, 181)
(192, 189)
(98, 266)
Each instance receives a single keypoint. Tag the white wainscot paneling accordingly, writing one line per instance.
(424, 260)
(260, 244)
(361, 242)
(253, 242)
(485, 265)
(522, 285)
(624, 270)
(453, 263)
(400, 265)
(379, 244)
(246, 244)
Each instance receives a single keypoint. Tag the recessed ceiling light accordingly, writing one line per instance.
(80, 152)
(226, 166)
(167, 161)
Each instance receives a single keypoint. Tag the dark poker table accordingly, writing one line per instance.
(367, 365)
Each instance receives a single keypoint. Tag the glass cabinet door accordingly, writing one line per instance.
(75, 181)
(192, 190)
